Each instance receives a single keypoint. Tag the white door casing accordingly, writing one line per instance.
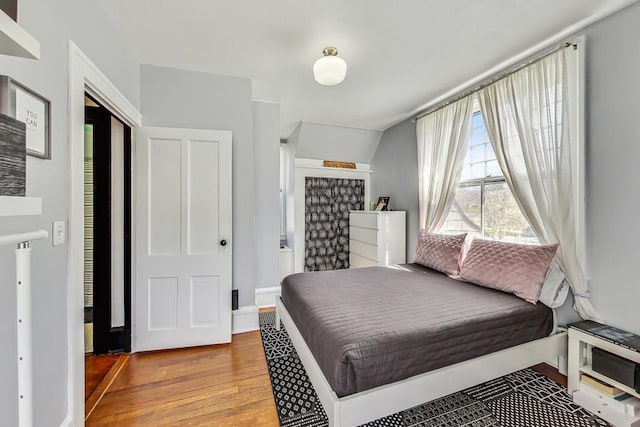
(183, 238)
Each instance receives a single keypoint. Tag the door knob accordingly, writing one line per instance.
(223, 242)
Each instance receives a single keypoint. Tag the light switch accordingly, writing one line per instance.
(59, 234)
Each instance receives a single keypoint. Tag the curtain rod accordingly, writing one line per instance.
(490, 80)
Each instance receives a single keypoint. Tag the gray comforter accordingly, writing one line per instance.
(373, 326)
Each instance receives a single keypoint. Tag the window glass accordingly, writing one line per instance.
(465, 215)
(484, 206)
(503, 218)
(479, 161)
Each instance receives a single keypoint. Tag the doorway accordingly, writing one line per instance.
(107, 231)
(84, 76)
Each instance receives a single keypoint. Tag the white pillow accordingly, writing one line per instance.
(555, 288)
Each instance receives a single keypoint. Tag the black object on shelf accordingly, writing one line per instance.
(615, 367)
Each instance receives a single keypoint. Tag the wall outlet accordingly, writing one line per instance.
(59, 234)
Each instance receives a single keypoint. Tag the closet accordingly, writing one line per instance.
(326, 220)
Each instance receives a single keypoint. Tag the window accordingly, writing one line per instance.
(483, 205)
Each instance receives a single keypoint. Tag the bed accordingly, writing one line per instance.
(378, 340)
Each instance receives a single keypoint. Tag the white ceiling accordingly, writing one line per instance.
(401, 54)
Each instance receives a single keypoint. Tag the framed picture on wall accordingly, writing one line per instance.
(25, 105)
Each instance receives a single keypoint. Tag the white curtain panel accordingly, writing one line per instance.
(442, 143)
(527, 118)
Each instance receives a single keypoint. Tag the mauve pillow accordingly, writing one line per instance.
(439, 251)
(508, 267)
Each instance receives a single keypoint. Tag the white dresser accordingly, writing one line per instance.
(376, 238)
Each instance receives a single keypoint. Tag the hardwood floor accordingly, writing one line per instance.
(221, 385)
(92, 399)
(95, 369)
(551, 372)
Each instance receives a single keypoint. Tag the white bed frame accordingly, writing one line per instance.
(378, 402)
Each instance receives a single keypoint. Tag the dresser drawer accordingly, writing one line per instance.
(377, 238)
(356, 261)
(363, 249)
(365, 235)
(367, 220)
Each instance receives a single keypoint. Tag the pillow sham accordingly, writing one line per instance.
(508, 267)
(439, 251)
(555, 288)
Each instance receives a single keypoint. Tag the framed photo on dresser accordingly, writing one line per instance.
(383, 204)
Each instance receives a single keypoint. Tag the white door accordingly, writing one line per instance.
(183, 238)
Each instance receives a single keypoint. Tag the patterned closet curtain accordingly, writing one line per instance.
(326, 219)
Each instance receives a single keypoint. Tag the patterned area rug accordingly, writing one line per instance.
(522, 399)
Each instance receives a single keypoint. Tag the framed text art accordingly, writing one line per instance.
(25, 105)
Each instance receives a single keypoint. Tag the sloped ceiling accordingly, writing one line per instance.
(400, 54)
(325, 142)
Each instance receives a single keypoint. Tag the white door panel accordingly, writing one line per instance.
(164, 195)
(183, 211)
(203, 211)
(205, 292)
(163, 307)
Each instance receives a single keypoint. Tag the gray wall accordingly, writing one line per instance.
(613, 150)
(266, 175)
(52, 23)
(395, 174)
(189, 99)
(326, 142)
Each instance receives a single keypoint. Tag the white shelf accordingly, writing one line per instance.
(348, 170)
(603, 409)
(15, 41)
(580, 361)
(586, 369)
(19, 206)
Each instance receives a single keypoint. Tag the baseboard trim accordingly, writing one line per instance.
(245, 319)
(266, 297)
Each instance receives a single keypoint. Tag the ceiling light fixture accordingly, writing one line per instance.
(329, 70)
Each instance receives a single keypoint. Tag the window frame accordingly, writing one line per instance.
(482, 182)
